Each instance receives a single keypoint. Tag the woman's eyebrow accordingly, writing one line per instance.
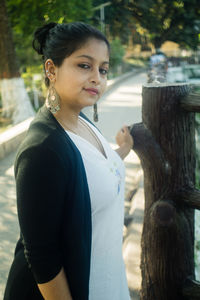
(91, 58)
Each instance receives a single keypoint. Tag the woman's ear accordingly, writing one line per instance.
(50, 70)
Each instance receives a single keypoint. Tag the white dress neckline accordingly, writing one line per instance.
(96, 133)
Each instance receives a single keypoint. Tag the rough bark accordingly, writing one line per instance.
(191, 102)
(8, 66)
(165, 143)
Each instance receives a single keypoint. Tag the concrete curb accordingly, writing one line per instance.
(132, 246)
(11, 138)
(132, 240)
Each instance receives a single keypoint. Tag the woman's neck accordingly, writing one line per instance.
(68, 118)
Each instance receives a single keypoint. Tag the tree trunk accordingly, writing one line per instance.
(157, 42)
(15, 101)
(165, 143)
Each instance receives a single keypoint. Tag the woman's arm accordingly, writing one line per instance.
(57, 288)
(41, 183)
(123, 150)
(124, 141)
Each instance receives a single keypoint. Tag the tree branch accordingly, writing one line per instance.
(191, 289)
(188, 196)
(191, 102)
(149, 150)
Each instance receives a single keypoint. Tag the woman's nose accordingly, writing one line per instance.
(95, 77)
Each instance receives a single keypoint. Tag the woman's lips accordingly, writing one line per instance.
(92, 91)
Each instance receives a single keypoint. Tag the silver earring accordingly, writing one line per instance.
(95, 115)
(53, 100)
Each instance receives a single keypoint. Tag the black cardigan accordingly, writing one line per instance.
(53, 204)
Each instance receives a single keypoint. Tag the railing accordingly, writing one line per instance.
(165, 144)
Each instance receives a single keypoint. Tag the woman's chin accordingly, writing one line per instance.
(90, 102)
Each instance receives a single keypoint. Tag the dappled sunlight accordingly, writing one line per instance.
(9, 228)
(134, 293)
(132, 175)
(130, 245)
(132, 248)
(133, 172)
(10, 171)
(133, 277)
(7, 248)
(132, 158)
(131, 252)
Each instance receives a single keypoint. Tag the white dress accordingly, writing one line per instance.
(105, 178)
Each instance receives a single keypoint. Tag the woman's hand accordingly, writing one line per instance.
(124, 141)
(124, 137)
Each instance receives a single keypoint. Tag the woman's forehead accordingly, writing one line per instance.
(93, 48)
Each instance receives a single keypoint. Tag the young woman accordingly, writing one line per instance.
(70, 183)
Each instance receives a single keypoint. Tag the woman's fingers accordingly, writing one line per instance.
(124, 136)
(125, 129)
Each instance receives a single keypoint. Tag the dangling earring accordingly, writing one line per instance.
(53, 100)
(95, 115)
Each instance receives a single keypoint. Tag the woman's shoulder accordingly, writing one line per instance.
(40, 132)
(45, 135)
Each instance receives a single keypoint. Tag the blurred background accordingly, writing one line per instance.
(136, 30)
(157, 39)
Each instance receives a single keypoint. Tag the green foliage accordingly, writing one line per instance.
(138, 62)
(116, 19)
(26, 16)
(177, 21)
(34, 82)
(117, 53)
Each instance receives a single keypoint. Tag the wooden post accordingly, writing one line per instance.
(165, 143)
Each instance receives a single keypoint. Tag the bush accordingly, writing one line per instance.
(116, 54)
(34, 82)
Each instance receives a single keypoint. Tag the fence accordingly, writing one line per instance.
(165, 143)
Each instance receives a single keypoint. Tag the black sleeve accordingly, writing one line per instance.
(41, 186)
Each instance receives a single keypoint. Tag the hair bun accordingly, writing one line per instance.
(40, 36)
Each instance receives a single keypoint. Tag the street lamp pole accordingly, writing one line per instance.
(102, 14)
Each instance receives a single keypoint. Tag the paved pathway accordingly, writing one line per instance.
(121, 105)
(9, 230)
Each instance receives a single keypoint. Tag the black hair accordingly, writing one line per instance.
(58, 41)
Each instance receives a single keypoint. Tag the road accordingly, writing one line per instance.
(9, 230)
(119, 106)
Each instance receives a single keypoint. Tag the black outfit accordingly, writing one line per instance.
(54, 212)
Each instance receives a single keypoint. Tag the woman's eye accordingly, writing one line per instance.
(84, 66)
(103, 71)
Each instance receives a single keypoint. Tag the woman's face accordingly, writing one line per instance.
(81, 79)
